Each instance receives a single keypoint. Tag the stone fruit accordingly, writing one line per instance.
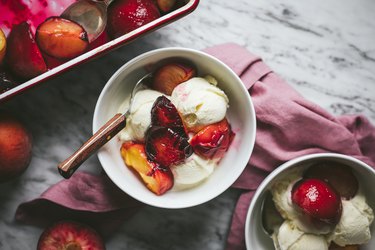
(127, 15)
(70, 235)
(23, 56)
(158, 179)
(213, 140)
(15, 147)
(3, 45)
(317, 200)
(339, 176)
(166, 141)
(165, 146)
(61, 38)
(167, 77)
(165, 114)
(165, 5)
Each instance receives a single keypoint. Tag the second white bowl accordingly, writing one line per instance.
(255, 236)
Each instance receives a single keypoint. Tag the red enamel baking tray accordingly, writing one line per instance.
(38, 10)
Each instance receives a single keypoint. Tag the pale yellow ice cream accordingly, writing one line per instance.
(354, 225)
(192, 172)
(289, 237)
(200, 102)
(281, 193)
(140, 115)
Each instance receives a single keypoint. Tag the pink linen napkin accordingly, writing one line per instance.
(288, 126)
(90, 199)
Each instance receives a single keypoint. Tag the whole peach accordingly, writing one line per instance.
(15, 147)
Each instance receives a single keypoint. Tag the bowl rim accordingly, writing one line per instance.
(252, 117)
(288, 164)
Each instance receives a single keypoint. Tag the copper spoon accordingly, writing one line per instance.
(101, 137)
(90, 14)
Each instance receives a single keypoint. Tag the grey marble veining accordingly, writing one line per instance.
(325, 49)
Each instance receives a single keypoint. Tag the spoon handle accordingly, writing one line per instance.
(101, 137)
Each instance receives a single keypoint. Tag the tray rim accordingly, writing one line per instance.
(184, 10)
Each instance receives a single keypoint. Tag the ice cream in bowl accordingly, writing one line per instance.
(189, 133)
(324, 201)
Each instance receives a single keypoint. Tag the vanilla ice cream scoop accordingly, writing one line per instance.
(296, 232)
(199, 102)
(291, 238)
(192, 171)
(354, 225)
(139, 118)
(282, 197)
(281, 194)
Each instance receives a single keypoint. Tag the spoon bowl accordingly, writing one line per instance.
(90, 14)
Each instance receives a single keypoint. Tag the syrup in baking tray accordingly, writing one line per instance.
(34, 11)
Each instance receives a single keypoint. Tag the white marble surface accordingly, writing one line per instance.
(324, 48)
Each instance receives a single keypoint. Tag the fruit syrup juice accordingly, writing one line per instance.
(35, 12)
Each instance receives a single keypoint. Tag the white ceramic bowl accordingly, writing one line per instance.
(256, 238)
(241, 115)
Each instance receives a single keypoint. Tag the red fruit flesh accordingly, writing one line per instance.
(339, 176)
(23, 56)
(70, 235)
(165, 114)
(15, 147)
(53, 62)
(127, 15)
(213, 140)
(318, 200)
(61, 38)
(165, 146)
(167, 77)
(158, 179)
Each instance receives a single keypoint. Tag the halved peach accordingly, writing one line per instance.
(61, 38)
(158, 179)
(170, 75)
(213, 140)
(71, 235)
